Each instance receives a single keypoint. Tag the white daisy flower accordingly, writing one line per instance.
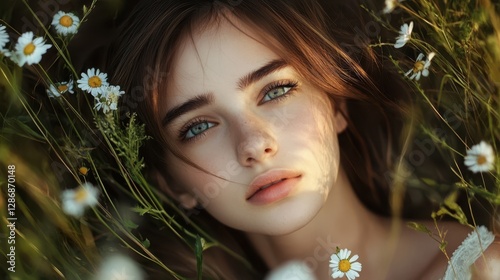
(29, 50)
(75, 201)
(119, 267)
(390, 5)
(94, 81)
(4, 38)
(293, 270)
(421, 67)
(108, 99)
(342, 265)
(404, 35)
(65, 23)
(57, 89)
(480, 158)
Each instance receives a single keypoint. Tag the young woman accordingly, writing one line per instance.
(272, 118)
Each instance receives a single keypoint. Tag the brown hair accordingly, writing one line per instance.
(310, 35)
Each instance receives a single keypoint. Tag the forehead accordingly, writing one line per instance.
(220, 53)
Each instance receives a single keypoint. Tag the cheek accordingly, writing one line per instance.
(312, 134)
(208, 184)
(221, 198)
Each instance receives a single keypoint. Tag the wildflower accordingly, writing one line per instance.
(480, 158)
(75, 201)
(291, 270)
(65, 23)
(94, 81)
(57, 89)
(108, 99)
(404, 35)
(390, 5)
(341, 265)
(83, 170)
(119, 267)
(4, 38)
(29, 50)
(421, 67)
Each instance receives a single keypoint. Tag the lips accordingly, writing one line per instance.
(270, 179)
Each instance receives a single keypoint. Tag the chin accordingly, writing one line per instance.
(291, 215)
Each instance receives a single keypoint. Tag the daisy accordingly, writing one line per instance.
(404, 35)
(94, 81)
(421, 67)
(76, 200)
(291, 270)
(4, 38)
(65, 23)
(390, 5)
(480, 158)
(29, 50)
(119, 267)
(341, 265)
(108, 99)
(57, 89)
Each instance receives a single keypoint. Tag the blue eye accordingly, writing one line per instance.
(278, 90)
(195, 129)
(275, 93)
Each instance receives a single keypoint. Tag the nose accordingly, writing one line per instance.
(257, 143)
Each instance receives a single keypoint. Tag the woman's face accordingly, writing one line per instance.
(236, 109)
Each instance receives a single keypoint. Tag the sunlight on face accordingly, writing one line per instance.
(239, 111)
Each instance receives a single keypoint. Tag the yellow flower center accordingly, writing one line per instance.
(83, 170)
(481, 159)
(66, 21)
(62, 88)
(344, 266)
(419, 66)
(95, 82)
(80, 195)
(29, 49)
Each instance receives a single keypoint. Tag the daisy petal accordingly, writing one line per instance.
(354, 258)
(337, 274)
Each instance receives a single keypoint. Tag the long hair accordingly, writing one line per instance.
(316, 38)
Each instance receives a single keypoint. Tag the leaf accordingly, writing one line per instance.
(141, 210)
(129, 224)
(199, 255)
(19, 127)
(442, 246)
(146, 243)
(418, 227)
(454, 207)
(429, 181)
(450, 199)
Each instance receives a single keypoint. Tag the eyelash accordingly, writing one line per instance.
(274, 85)
(185, 129)
(279, 84)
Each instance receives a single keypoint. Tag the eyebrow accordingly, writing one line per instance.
(206, 99)
(270, 67)
(191, 104)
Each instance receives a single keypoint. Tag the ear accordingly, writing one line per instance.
(340, 115)
(186, 199)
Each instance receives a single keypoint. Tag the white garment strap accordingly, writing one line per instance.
(467, 253)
